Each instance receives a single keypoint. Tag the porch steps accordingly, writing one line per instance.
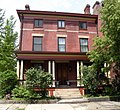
(68, 93)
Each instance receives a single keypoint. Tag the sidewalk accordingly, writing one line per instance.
(103, 105)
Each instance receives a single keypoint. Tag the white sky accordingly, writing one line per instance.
(76, 6)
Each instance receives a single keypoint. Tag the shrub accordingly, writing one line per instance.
(23, 92)
(90, 80)
(37, 78)
(8, 81)
(20, 92)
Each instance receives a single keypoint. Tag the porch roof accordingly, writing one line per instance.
(31, 55)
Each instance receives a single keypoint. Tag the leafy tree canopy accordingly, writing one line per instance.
(7, 43)
(107, 48)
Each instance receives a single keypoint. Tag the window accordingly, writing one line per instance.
(37, 43)
(61, 24)
(38, 23)
(84, 44)
(61, 44)
(38, 66)
(83, 25)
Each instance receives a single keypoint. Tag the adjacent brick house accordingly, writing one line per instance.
(56, 42)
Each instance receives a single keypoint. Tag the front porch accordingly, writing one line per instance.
(64, 67)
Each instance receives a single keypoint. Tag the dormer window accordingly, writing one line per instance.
(38, 23)
(61, 24)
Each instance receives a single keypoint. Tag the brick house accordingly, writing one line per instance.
(56, 42)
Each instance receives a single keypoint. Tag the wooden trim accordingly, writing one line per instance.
(33, 12)
(50, 53)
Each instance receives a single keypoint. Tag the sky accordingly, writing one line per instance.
(74, 6)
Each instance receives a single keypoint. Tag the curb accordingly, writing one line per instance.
(28, 101)
(62, 101)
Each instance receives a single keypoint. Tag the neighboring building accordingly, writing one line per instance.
(56, 42)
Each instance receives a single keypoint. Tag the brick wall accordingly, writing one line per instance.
(50, 32)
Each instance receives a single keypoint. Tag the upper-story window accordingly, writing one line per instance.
(61, 24)
(83, 25)
(38, 23)
(37, 43)
(84, 44)
(61, 44)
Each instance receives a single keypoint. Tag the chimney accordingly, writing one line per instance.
(96, 8)
(27, 7)
(87, 9)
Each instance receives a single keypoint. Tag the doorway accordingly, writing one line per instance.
(62, 73)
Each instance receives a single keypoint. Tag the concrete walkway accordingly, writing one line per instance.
(103, 105)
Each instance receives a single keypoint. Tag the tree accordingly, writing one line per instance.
(8, 77)
(7, 47)
(1, 20)
(37, 78)
(107, 48)
(8, 80)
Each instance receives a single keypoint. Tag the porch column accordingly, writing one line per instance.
(78, 74)
(106, 74)
(18, 68)
(81, 72)
(53, 72)
(21, 70)
(49, 66)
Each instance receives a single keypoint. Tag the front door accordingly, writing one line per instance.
(61, 70)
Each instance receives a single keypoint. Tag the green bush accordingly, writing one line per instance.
(108, 91)
(20, 92)
(37, 78)
(23, 92)
(8, 81)
(90, 80)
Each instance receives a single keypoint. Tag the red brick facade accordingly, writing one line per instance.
(50, 32)
(63, 65)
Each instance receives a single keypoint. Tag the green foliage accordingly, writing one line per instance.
(107, 48)
(7, 46)
(111, 27)
(23, 92)
(8, 80)
(36, 78)
(100, 55)
(116, 85)
(1, 21)
(90, 80)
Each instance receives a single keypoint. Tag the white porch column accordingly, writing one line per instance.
(78, 74)
(106, 74)
(18, 68)
(21, 70)
(53, 72)
(81, 65)
(49, 66)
